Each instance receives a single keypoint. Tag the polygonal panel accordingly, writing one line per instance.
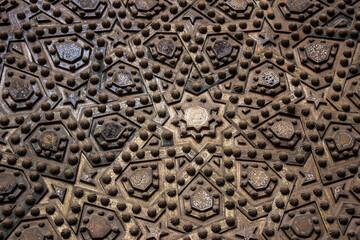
(177, 119)
(20, 89)
(166, 46)
(302, 226)
(222, 48)
(143, 5)
(318, 52)
(141, 179)
(283, 129)
(86, 4)
(201, 200)
(69, 51)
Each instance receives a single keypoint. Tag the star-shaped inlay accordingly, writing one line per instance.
(58, 192)
(117, 36)
(316, 98)
(247, 233)
(192, 16)
(87, 176)
(266, 36)
(155, 232)
(197, 119)
(117, 39)
(3, 134)
(308, 177)
(339, 191)
(73, 98)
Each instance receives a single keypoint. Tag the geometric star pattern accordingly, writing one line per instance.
(187, 119)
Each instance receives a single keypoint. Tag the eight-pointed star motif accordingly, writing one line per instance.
(197, 118)
(220, 52)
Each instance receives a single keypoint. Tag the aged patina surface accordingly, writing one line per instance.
(179, 119)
